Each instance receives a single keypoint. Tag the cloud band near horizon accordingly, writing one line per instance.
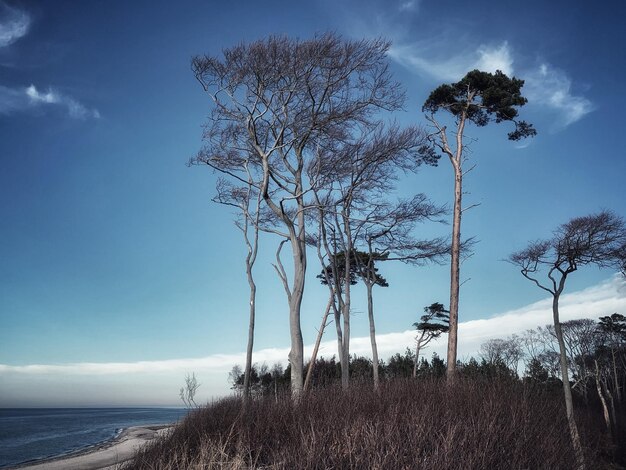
(599, 300)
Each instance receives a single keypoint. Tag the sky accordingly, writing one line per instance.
(119, 276)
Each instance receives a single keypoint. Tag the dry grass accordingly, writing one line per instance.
(407, 425)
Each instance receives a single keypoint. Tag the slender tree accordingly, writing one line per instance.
(479, 98)
(354, 180)
(368, 272)
(282, 101)
(247, 200)
(589, 240)
(613, 330)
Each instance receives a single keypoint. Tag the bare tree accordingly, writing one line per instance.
(318, 340)
(188, 392)
(580, 338)
(480, 98)
(386, 231)
(355, 180)
(613, 331)
(508, 351)
(283, 100)
(589, 240)
(247, 200)
(388, 236)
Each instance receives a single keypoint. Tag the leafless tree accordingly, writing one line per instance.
(188, 392)
(388, 236)
(589, 240)
(283, 101)
(247, 200)
(507, 351)
(354, 212)
(580, 338)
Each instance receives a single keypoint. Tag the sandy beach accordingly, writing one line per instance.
(106, 456)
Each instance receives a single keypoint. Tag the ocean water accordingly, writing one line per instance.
(38, 433)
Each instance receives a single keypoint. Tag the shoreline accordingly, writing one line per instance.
(106, 455)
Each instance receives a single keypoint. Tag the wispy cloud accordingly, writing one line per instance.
(23, 99)
(450, 52)
(14, 24)
(546, 87)
(410, 5)
(423, 60)
(552, 88)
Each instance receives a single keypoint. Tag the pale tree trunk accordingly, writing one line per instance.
(318, 340)
(567, 390)
(296, 235)
(415, 362)
(418, 346)
(605, 409)
(370, 313)
(456, 159)
(340, 351)
(296, 355)
(612, 402)
(345, 371)
(455, 274)
(345, 340)
(246, 379)
(615, 379)
(253, 249)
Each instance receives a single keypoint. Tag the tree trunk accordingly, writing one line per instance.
(370, 313)
(345, 345)
(343, 361)
(455, 256)
(615, 379)
(567, 390)
(605, 410)
(347, 297)
(417, 357)
(318, 340)
(296, 355)
(253, 248)
(246, 378)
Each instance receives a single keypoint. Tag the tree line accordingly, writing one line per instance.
(596, 359)
(303, 138)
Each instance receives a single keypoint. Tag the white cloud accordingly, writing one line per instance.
(495, 58)
(22, 99)
(38, 97)
(551, 88)
(487, 58)
(14, 24)
(410, 5)
(545, 87)
(602, 299)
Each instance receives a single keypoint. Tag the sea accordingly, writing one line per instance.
(31, 434)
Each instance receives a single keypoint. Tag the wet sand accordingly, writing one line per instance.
(106, 456)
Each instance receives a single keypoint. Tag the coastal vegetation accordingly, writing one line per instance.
(493, 416)
(304, 137)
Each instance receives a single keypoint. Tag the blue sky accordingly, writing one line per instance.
(111, 252)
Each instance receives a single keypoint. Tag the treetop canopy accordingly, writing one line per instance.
(483, 97)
